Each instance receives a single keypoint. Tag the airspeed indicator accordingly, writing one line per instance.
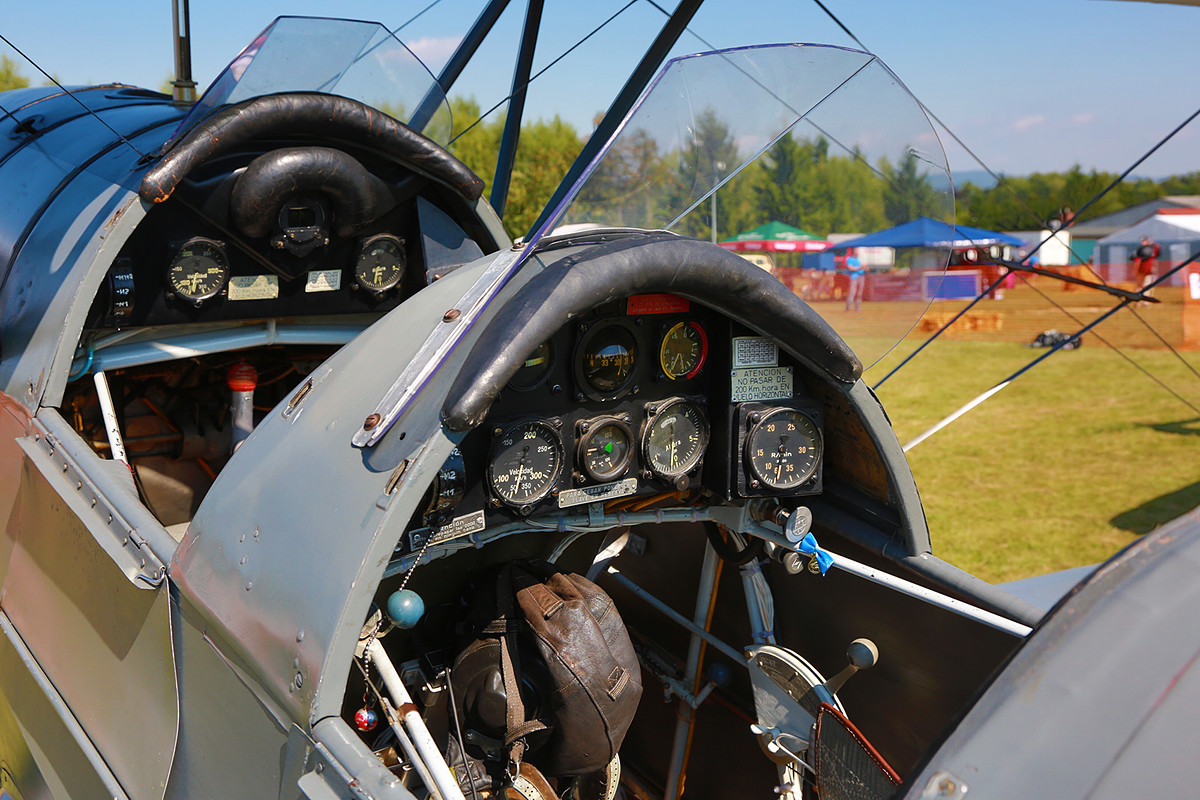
(525, 463)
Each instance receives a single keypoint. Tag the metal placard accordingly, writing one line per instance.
(760, 383)
(754, 351)
(454, 529)
(592, 494)
(254, 287)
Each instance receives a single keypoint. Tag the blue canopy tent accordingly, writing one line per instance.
(926, 232)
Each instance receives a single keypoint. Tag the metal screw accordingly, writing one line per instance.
(370, 422)
(451, 315)
(583, 427)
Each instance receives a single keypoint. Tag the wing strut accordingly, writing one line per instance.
(516, 107)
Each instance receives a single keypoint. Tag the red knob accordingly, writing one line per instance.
(242, 377)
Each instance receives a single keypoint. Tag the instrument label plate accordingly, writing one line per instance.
(761, 383)
(254, 287)
(323, 280)
(592, 494)
(754, 351)
(454, 529)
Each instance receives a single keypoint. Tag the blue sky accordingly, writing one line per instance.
(1029, 86)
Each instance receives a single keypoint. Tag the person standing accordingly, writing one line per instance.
(857, 274)
(1145, 260)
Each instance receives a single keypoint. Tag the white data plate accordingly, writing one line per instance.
(323, 280)
(454, 529)
(254, 287)
(761, 383)
(754, 351)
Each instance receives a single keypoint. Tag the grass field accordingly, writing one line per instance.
(1065, 466)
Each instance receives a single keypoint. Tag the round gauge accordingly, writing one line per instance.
(783, 448)
(605, 449)
(380, 263)
(198, 270)
(605, 359)
(674, 440)
(683, 351)
(534, 369)
(525, 463)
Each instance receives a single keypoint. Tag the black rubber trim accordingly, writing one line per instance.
(359, 197)
(306, 114)
(658, 262)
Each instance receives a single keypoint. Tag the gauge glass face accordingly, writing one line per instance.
(675, 439)
(535, 368)
(683, 351)
(525, 463)
(380, 263)
(198, 271)
(782, 448)
(607, 357)
(605, 450)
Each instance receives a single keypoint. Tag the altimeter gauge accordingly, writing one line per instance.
(525, 463)
(783, 448)
(605, 448)
(380, 263)
(198, 271)
(683, 351)
(673, 440)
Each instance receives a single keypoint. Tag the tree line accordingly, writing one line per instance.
(801, 182)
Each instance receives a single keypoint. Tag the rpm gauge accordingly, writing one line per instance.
(683, 351)
(783, 448)
(525, 463)
(605, 448)
(198, 271)
(380, 263)
(674, 440)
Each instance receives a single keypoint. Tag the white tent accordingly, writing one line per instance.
(1177, 232)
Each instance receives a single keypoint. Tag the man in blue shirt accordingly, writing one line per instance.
(857, 274)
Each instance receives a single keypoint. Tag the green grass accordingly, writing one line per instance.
(1065, 466)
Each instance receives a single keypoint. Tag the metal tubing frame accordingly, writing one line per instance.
(516, 107)
(683, 720)
(444, 782)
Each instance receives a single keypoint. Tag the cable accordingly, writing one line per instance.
(52, 79)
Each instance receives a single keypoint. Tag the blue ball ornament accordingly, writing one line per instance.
(405, 608)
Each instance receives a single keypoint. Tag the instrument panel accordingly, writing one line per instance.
(647, 396)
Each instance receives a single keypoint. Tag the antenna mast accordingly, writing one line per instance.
(184, 87)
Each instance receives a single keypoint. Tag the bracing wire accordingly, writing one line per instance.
(542, 71)
(71, 94)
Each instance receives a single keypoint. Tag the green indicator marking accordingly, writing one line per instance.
(608, 447)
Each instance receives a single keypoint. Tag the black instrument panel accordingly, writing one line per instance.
(646, 396)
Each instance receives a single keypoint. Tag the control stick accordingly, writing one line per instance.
(862, 654)
(242, 379)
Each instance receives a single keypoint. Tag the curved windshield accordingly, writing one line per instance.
(359, 60)
(787, 154)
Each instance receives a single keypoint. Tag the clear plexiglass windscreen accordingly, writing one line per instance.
(359, 60)
(780, 149)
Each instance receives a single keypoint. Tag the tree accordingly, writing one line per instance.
(10, 75)
(907, 193)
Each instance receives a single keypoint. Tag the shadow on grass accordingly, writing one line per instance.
(1164, 508)
(1184, 427)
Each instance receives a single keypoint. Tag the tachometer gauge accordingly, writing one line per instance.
(525, 464)
(674, 439)
(683, 351)
(605, 359)
(380, 263)
(783, 448)
(605, 448)
(198, 271)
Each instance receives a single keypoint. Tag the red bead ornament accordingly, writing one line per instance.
(365, 719)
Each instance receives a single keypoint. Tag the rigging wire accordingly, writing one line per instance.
(83, 105)
(1074, 338)
(540, 72)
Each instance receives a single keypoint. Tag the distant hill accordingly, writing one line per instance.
(979, 177)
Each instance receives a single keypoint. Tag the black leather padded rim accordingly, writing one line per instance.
(657, 262)
(328, 117)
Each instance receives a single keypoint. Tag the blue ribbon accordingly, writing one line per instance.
(808, 546)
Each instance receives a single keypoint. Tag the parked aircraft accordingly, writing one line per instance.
(280, 396)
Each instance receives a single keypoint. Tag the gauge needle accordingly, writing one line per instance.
(520, 470)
